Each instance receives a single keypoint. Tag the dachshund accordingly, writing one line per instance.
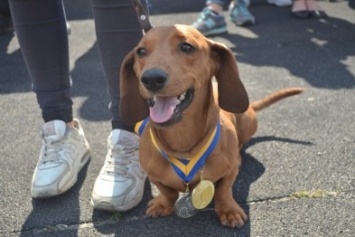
(188, 90)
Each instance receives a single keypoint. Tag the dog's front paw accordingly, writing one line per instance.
(232, 216)
(159, 206)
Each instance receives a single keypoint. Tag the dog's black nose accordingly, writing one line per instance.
(154, 79)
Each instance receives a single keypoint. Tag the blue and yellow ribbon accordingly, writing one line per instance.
(186, 168)
(139, 127)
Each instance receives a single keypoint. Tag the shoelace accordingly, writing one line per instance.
(119, 158)
(52, 149)
(204, 15)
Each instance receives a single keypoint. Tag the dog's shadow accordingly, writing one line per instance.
(206, 222)
(250, 171)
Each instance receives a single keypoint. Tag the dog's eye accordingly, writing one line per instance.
(187, 48)
(141, 52)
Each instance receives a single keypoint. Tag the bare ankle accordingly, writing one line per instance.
(70, 124)
(215, 7)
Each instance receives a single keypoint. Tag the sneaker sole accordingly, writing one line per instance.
(280, 5)
(244, 23)
(41, 194)
(216, 31)
(107, 205)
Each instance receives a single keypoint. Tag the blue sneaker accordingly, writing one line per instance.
(241, 15)
(210, 23)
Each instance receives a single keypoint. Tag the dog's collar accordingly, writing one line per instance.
(186, 169)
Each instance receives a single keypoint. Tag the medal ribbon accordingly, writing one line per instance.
(186, 169)
(139, 127)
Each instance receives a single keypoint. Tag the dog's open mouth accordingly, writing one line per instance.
(167, 110)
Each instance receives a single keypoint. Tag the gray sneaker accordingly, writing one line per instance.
(241, 15)
(63, 153)
(210, 23)
(120, 183)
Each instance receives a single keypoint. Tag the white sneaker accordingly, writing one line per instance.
(64, 152)
(120, 184)
(280, 3)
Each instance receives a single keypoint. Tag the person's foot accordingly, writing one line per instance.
(5, 24)
(64, 152)
(314, 9)
(241, 15)
(280, 3)
(306, 9)
(299, 9)
(120, 183)
(210, 23)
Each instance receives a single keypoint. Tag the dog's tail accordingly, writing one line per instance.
(274, 97)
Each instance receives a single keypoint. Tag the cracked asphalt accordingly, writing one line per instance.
(298, 172)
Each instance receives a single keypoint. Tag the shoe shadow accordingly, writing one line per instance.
(107, 222)
(48, 216)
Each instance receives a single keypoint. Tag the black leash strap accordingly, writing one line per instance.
(142, 16)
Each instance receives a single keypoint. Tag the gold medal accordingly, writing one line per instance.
(202, 194)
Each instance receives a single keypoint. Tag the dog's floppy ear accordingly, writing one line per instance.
(133, 108)
(232, 95)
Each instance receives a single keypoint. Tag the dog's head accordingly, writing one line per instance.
(169, 72)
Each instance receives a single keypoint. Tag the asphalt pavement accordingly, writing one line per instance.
(298, 172)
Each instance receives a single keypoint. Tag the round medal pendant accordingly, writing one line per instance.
(202, 194)
(183, 206)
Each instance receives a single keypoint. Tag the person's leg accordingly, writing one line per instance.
(5, 17)
(118, 32)
(42, 33)
(241, 15)
(216, 5)
(120, 183)
(4, 6)
(211, 20)
(299, 9)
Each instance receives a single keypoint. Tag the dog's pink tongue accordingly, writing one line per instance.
(163, 109)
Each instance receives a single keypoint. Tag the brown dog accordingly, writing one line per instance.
(168, 77)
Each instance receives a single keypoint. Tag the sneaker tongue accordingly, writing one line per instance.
(54, 130)
(163, 108)
(123, 138)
